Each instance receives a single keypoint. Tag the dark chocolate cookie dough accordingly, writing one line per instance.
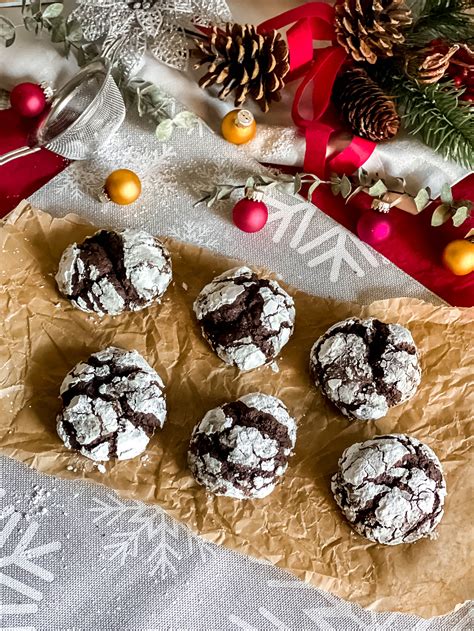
(390, 488)
(112, 404)
(242, 448)
(111, 272)
(246, 319)
(366, 367)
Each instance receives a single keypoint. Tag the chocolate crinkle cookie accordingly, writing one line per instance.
(246, 319)
(242, 448)
(366, 367)
(112, 404)
(114, 271)
(390, 488)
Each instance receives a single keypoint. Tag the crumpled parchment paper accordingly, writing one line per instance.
(298, 527)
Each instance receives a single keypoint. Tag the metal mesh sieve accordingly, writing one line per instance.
(84, 114)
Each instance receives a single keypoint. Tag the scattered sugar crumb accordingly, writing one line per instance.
(184, 286)
(274, 366)
(101, 468)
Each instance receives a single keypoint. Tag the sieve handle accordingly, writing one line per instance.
(17, 153)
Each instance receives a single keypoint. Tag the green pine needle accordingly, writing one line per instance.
(442, 19)
(435, 112)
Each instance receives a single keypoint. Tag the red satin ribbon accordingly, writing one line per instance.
(315, 21)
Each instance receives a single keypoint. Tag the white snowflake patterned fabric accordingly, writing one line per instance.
(134, 566)
(126, 29)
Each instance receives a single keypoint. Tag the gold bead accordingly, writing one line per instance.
(123, 186)
(238, 126)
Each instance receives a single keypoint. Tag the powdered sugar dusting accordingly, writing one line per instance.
(390, 488)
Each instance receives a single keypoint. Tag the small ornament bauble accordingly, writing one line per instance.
(121, 187)
(250, 215)
(373, 228)
(28, 99)
(238, 126)
(458, 257)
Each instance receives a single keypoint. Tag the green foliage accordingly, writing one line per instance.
(436, 114)
(441, 19)
(7, 31)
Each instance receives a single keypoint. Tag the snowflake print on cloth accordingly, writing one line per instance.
(331, 245)
(333, 614)
(130, 28)
(165, 542)
(19, 566)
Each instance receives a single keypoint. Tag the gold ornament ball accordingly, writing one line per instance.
(238, 126)
(123, 186)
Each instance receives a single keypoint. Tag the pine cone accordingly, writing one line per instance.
(369, 29)
(429, 66)
(245, 62)
(369, 112)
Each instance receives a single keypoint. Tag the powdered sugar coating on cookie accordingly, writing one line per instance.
(242, 448)
(366, 366)
(114, 271)
(390, 488)
(246, 319)
(112, 404)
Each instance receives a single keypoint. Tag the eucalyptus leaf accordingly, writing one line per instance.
(378, 189)
(225, 192)
(335, 188)
(346, 186)
(35, 7)
(440, 215)
(53, 10)
(164, 130)
(313, 187)
(421, 199)
(185, 119)
(297, 183)
(7, 31)
(74, 31)
(446, 194)
(58, 32)
(460, 216)
(29, 22)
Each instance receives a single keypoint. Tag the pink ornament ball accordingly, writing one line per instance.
(249, 215)
(28, 99)
(373, 227)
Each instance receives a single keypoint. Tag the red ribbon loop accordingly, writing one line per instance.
(309, 22)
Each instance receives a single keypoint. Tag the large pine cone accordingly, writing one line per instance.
(368, 30)
(369, 112)
(245, 62)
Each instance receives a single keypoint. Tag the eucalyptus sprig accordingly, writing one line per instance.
(386, 193)
(456, 210)
(150, 101)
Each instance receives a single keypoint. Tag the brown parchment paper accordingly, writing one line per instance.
(298, 527)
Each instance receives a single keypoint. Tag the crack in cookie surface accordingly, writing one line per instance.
(246, 319)
(114, 271)
(112, 405)
(242, 448)
(391, 489)
(365, 367)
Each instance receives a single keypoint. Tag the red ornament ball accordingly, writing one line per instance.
(373, 227)
(28, 99)
(249, 215)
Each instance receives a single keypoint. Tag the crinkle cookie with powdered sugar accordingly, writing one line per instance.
(366, 367)
(391, 489)
(114, 271)
(246, 319)
(241, 449)
(112, 404)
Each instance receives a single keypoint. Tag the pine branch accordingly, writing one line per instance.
(435, 112)
(442, 19)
